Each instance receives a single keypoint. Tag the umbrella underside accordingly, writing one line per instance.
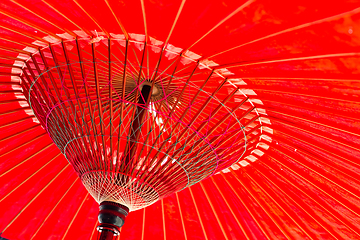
(256, 102)
(134, 137)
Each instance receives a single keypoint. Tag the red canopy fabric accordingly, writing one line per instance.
(298, 62)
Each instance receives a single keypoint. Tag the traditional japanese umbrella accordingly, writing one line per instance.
(145, 99)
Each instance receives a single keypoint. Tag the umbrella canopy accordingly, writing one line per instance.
(294, 65)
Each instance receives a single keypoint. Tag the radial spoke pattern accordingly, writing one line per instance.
(133, 133)
(86, 67)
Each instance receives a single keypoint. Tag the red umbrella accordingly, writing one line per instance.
(288, 70)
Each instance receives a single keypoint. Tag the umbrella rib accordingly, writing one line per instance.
(139, 73)
(181, 216)
(303, 95)
(121, 115)
(33, 199)
(14, 50)
(143, 225)
(13, 100)
(15, 122)
(75, 215)
(25, 180)
(165, 44)
(325, 163)
(144, 19)
(83, 76)
(20, 43)
(28, 24)
(307, 120)
(213, 210)
(126, 61)
(322, 149)
(25, 160)
(354, 11)
(260, 205)
(332, 196)
(246, 207)
(19, 133)
(308, 109)
(23, 34)
(93, 231)
(247, 3)
(198, 213)
(299, 78)
(319, 174)
(231, 210)
(24, 144)
(313, 215)
(9, 58)
(53, 209)
(318, 135)
(118, 20)
(264, 61)
(110, 66)
(53, 8)
(164, 71)
(174, 23)
(277, 201)
(163, 217)
(79, 102)
(42, 18)
(93, 19)
(333, 213)
(99, 106)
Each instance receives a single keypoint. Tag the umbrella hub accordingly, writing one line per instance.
(155, 90)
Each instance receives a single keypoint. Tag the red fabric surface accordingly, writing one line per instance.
(300, 58)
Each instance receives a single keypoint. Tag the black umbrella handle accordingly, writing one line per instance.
(107, 234)
(111, 218)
